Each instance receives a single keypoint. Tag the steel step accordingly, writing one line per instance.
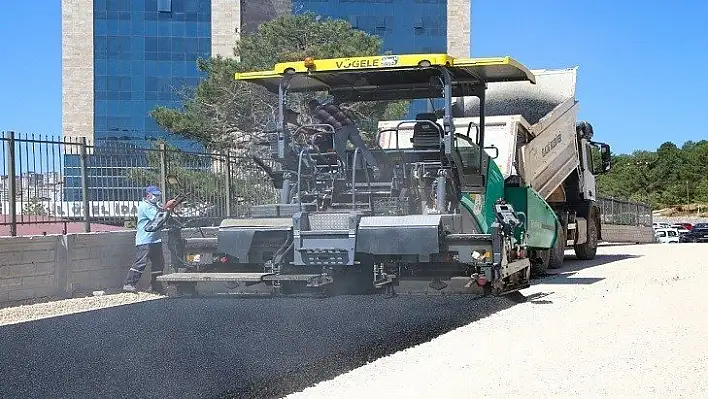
(209, 277)
(373, 184)
(347, 205)
(467, 237)
(363, 191)
(243, 277)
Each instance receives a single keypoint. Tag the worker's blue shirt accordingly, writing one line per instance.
(146, 213)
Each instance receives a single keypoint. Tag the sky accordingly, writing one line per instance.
(641, 76)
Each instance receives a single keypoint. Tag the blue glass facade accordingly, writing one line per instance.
(145, 51)
(405, 26)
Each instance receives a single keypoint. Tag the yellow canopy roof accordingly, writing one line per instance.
(388, 77)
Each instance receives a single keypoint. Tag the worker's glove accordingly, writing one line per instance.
(170, 205)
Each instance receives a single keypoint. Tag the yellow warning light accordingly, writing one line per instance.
(309, 63)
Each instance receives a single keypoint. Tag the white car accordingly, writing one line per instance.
(667, 236)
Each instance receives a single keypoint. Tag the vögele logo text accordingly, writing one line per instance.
(359, 63)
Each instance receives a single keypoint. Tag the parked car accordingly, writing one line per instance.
(685, 225)
(697, 234)
(667, 235)
(660, 225)
(680, 228)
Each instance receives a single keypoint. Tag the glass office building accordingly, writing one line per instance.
(121, 58)
(144, 52)
(405, 26)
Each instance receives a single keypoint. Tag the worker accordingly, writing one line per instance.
(292, 124)
(148, 244)
(318, 140)
(344, 129)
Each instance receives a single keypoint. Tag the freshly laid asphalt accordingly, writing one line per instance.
(219, 347)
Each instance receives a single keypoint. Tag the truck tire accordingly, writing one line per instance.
(558, 251)
(587, 250)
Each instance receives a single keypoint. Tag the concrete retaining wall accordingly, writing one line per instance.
(627, 234)
(28, 268)
(64, 266)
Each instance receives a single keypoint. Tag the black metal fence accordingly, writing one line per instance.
(625, 212)
(62, 185)
(74, 184)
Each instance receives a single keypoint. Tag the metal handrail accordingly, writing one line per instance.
(476, 127)
(299, 175)
(368, 179)
(403, 122)
(328, 129)
(301, 155)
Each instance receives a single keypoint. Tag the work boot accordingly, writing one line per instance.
(129, 288)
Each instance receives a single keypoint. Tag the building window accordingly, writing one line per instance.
(164, 5)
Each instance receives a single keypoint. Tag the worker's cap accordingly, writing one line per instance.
(153, 190)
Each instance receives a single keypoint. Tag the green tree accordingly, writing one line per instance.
(204, 177)
(34, 207)
(222, 113)
(669, 176)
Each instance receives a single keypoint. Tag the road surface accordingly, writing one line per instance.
(214, 347)
(632, 322)
(634, 327)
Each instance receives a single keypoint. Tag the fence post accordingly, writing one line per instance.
(162, 148)
(228, 184)
(83, 158)
(11, 186)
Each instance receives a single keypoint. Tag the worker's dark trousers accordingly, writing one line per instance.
(152, 252)
(351, 133)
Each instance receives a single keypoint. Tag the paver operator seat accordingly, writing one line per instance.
(427, 133)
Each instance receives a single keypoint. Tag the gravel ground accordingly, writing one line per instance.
(216, 347)
(680, 219)
(634, 326)
(37, 311)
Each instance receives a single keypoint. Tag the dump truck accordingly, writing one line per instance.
(532, 133)
(442, 217)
